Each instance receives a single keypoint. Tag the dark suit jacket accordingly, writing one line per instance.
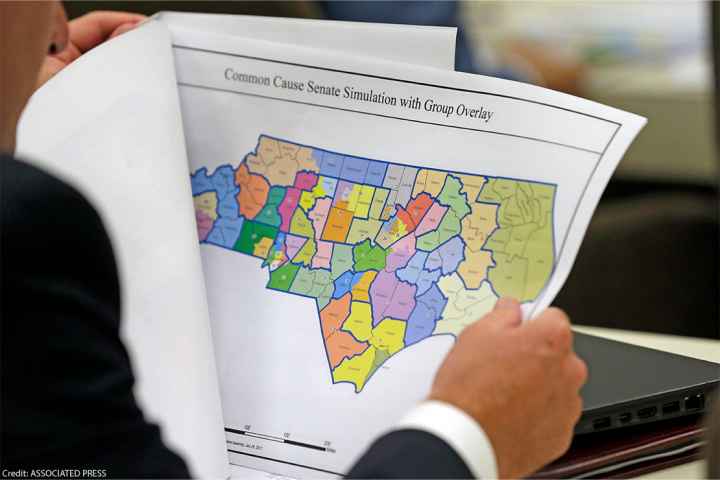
(67, 399)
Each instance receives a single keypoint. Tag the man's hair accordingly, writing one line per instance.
(713, 445)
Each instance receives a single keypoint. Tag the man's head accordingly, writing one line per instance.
(28, 30)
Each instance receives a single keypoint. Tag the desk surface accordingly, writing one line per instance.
(701, 348)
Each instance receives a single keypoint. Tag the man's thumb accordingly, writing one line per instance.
(507, 311)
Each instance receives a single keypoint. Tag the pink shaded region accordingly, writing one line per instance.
(431, 220)
(305, 180)
(287, 208)
(204, 224)
(391, 298)
(318, 215)
(400, 253)
(293, 244)
(323, 255)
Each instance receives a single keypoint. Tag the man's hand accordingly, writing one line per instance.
(519, 382)
(85, 33)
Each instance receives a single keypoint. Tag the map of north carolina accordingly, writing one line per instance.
(391, 254)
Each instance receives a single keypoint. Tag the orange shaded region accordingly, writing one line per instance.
(418, 207)
(337, 225)
(253, 192)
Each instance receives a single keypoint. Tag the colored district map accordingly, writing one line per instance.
(391, 253)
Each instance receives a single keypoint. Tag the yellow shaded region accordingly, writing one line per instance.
(207, 203)
(307, 200)
(388, 335)
(359, 322)
(262, 248)
(365, 197)
(353, 196)
(361, 288)
(355, 370)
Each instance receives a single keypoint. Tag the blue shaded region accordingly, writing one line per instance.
(317, 155)
(356, 278)
(354, 169)
(228, 205)
(375, 173)
(427, 311)
(224, 180)
(447, 256)
(279, 241)
(415, 274)
(329, 186)
(225, 232)
(343, 284)
(426, 280)
(200, 182)
(331, 165)
(412, 270)
(434, 261)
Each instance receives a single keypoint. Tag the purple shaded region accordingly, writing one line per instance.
(391, 298)
(305, 180)
(293, 244)
(204, 224)
(400, 253)
(342, 193)
(427, 312)
(331, 164)
(226, 231)
(354, 169)
(375, 173)
(287, 207)
(447, 256)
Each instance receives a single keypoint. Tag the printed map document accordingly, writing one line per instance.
(353, 215)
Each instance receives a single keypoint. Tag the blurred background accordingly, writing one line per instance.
(650, 257)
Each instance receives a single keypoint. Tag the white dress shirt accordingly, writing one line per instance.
(457, 429)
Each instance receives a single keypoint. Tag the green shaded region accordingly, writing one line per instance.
(448, 228)
(341, 261)
(380, 357)
(251, 234)
(300, 224)
(315, 283)
(269, 214)
(306, 253)
(282, 277)
(451, 196)
(522, 245)
(368, 257)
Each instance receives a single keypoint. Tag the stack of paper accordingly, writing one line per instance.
(307, 213)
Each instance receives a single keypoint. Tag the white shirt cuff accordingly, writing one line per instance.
(457, 429)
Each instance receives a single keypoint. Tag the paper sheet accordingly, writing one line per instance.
(421, 45)
(110, 125)
(311, 372)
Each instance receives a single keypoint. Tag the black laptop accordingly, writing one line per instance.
(630, 385)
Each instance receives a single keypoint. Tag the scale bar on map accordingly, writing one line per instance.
(273, 438)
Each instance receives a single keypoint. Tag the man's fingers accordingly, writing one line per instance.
(553, 327)
(94, 28)
(507, 312)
